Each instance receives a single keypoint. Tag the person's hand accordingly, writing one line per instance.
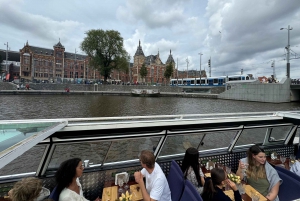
(138, 177)
(241, 165)
(231, 184)
(10, 192)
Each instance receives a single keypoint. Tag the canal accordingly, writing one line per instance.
(76, 106)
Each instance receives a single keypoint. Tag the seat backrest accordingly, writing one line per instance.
(177, 167)
(54, 195)
(287, 172)
(289, 189)
(193, 189)
(176, 183)
(187, 195)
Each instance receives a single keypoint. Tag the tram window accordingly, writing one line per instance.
(122, 150)
(250, 136)
(179, 143)
(216, 81)
(27, 162)
(198, 81)
(202, 81)
(247, 78)
(184, 82)
(179, 82)
(192, 81)
(279, 133)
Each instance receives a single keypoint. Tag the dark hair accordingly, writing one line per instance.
(191, 159)
(253, 171)
(65, 173)
(217, 176)
(147, 158)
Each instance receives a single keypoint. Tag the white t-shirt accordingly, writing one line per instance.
(156, 184)
(69, 195)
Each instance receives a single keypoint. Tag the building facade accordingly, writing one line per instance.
(55, 65)
(155, 67)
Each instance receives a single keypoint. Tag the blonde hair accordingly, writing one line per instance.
(27, 189)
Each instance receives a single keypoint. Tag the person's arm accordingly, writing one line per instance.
(273, 192)
(139, 179)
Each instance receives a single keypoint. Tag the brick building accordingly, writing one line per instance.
(154, 65)
(55, 65)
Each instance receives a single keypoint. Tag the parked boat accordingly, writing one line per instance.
(145, 92)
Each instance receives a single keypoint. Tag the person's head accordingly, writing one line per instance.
(218, 178)
(191, 159)
(67, 172)
(256, 156)
(147, 158)
(28, 189)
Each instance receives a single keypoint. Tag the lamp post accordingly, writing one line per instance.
(187, 68)
(288, 52)
(74, 65)
(200, 67)
(6, 57)
(129, 71)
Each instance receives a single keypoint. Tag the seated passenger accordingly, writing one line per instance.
(213, 187)
(29, 189)
(157, 187)
(192, 170)
(68, 185)
(260, 174)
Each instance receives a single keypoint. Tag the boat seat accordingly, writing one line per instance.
(54, 195)
(287, 172)
(176, 183)
(289, 189)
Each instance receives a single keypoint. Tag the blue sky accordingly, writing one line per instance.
(236, 34)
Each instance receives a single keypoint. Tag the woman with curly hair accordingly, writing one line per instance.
(68, 185)
(28, 189)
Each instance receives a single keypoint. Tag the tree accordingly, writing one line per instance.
(143, 71)
(105, 48)
(169, 71)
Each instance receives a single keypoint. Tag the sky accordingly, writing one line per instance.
(235, 34)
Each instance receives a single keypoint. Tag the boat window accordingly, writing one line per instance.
(93, 151)
(250, 136)
(27, 162)
(279, 133)
(179, 143)
(129, 149)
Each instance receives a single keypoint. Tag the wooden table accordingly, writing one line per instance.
(110, 192)
(247, 196)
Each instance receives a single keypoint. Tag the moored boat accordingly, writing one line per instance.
(145, 92)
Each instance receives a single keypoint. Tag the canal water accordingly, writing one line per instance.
(82, 106)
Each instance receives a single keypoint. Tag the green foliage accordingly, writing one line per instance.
(169, 71)
(105, 48)
(143, 71)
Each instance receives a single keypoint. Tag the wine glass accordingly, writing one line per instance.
(282, 159)
(120, 183)
(126, 179)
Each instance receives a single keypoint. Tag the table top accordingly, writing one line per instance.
(247, 196)
(110, 193)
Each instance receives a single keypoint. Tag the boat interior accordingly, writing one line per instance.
(112, 144)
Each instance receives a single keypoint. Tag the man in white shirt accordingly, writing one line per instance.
(157, 187)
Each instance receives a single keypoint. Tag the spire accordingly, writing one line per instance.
(170, 58)
(27, 43)
(139, 50)
(170, 52)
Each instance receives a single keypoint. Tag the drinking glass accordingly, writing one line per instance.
(254, 196)
(126, 179)
(292, 160)
(228, 169)
(282, 159)
(244, 171)
(274, 155)
(120, 183)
